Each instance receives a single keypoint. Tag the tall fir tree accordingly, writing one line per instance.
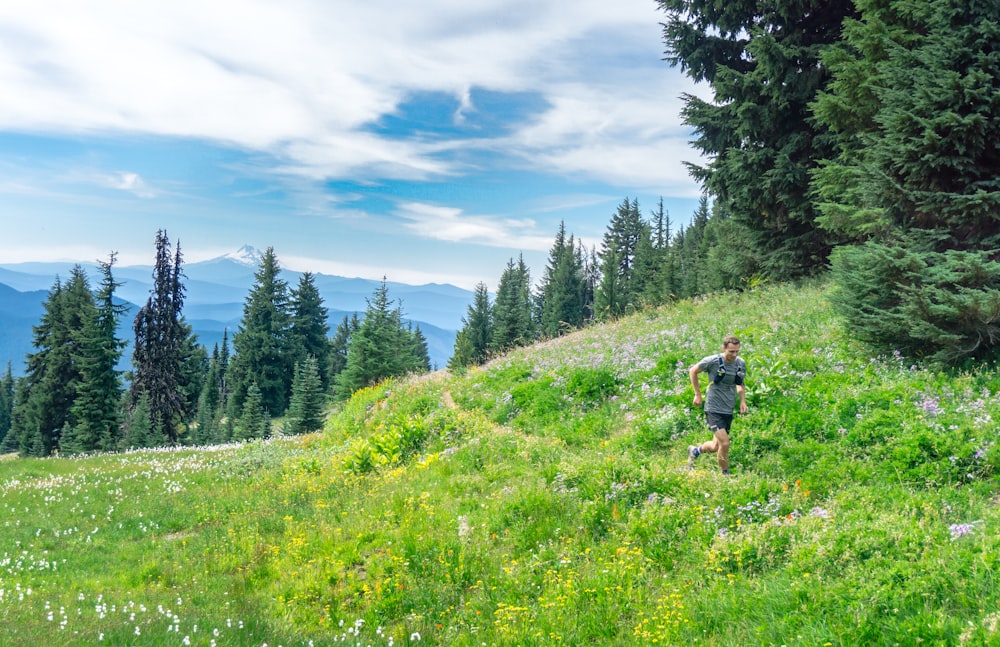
(379, 349)
(914, 104)
(49, 388)
(161, 346)
(309, 328)
(561, 292)
(305, 413)
(617, 294)
(763, 63)
(472, 343)
(513, 323)
(262, 347)
(6, 404)
(96, 408)
(339, 345)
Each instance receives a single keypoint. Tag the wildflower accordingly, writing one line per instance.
(962, 529)
(415, 637)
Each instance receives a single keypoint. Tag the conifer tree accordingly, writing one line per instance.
(616, 294)
(309, 328)
(254, 419)
(6, 404)
(561, 293)
(50, 385)
(419, 352)
(513, 324)
(139, 431)
(763, 62)
(305, 413)
(162, 345)
(263, 353)
(339, 345)
(472, 343)
(914, 104)
(379, 349)
(96, 408)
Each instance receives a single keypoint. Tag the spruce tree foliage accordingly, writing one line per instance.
(309, 328)
(96, 409)
(513, 324)
(561, 292)
(420, 357)
(382, 347)
(163, 343)
(52, 379)
(254, 420)
(139, 431)
(6, 405)
(618, 291)
(763, 62)
(339, 345)
(472, 343)
(914, 102)
(305, 413)
(263, 351)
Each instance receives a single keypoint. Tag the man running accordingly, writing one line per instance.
(725, 376)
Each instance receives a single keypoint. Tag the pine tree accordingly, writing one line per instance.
(561, 293)
(6, 404)
(52, 379)
(263, 354)
(617, 294)
(161, 345)
(472, 343)
(339, 345)
(95, 410)
(420, 354)
(513, 324)
(139, 431)
(253, 422)
(305, 414)
(763, 62)
(309, 328)
(914, 104)
(377, 350)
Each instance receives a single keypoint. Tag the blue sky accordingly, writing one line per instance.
(423, 142)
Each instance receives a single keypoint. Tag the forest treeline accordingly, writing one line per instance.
(856, 138)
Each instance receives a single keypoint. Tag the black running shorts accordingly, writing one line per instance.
(718, 421)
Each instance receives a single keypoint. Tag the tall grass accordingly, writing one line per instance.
(543, 499)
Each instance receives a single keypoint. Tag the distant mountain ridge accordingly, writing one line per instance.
(216, 290)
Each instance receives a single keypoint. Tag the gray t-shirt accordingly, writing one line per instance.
(721, 397)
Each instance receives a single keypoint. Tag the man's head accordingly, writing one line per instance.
(730, 348)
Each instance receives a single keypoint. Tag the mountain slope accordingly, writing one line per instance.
(543, 499)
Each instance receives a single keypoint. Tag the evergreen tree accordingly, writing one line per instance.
(139, 431)
(617, 294)
(161, 344)
(339, 345)
(305, 414)
(694, 254)
(254, 421)
(561, 293)
(309, 328)
(763, 62)
(6, 404)
(53, 377)
(95, 410)
(420, 354)
(377, 350)
(472, 343)
(263, 353)
(914, 104)
(655, 263)
(513, 324)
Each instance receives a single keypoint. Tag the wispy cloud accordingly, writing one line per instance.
(450, 224)
(305, 81)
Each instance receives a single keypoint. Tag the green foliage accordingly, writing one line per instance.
(306, 411)
(512, 321)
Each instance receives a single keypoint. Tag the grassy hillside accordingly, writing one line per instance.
(543, 500)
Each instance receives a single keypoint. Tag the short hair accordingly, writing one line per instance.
(731, 339)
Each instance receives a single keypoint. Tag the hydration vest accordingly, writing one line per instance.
(721, 374)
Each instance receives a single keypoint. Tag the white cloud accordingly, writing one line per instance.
(304, 79)
(450, 224)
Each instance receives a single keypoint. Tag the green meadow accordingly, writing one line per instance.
(543, 499)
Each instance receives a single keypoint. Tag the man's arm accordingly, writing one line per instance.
(693, 373)
(741, 390)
